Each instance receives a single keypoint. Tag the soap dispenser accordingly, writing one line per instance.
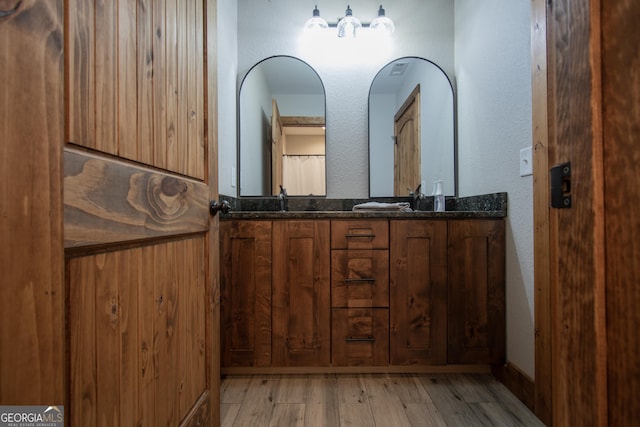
(438, 196)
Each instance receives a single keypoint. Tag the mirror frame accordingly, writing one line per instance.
(239, 126)
(455, 124)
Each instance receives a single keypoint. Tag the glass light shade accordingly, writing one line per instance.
(348, 25)
(315, 23)
(382, 23)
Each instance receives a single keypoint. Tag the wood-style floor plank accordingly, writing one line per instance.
(371, 400)
(287, 414)
(257, 407)
(454, 410)
(386, 406)
(234, 389)
(424, 414)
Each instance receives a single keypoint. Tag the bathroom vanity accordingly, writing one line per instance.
(343, 291)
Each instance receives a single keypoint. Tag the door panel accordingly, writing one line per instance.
(407, 146)
(142, 253)
(136, 325)
(147, 103)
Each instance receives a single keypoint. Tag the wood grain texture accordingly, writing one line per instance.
(82, 381)
(108, 201)
(127, 80)
(159, 82)
(301, 293)
(137, 334)
(577, 234)
(359, 337)
(541, 197)
(621, 110)
(302, 121)
(477, 326)
(359, 278)
(200, 414)
(212, 316)
(359, 234)
(418, 292)
(80, 79)
(31, 255)
(146, 62)
(518, 383)
(368, 400)
(135, 81)
(105, 70)
(245, 290)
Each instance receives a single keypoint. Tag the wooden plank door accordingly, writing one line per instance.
(31, 254)
(142, 250)
(407, 145)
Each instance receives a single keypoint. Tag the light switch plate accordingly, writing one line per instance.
(526, 162)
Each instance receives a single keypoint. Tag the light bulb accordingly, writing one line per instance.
(348, 25)
(382, 23)
(315, 23)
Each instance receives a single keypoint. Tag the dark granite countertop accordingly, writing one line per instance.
(484, 206)
(352, 214)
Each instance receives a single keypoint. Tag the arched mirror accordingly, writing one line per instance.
(282, 129)
(411, 129)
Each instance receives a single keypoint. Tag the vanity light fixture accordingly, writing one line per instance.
(348, 26)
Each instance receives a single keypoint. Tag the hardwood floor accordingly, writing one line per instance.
(384, 400)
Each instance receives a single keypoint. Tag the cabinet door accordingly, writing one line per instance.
(418, 292)
(245, 285)
(476, 291)
(301, 288)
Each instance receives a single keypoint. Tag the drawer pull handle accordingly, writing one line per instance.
(367, 339)
(364, 280)
(354, 236)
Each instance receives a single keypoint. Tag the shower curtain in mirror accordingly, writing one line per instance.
(304, 175)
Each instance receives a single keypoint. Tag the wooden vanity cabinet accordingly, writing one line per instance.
(360, 292)
(245, 293)
(418, 292)
(476, 292)
(301, 293)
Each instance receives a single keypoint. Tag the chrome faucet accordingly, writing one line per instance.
(282, 196)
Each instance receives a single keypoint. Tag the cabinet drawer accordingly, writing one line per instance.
(359, 278)
(359, 234)
(360, 337)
